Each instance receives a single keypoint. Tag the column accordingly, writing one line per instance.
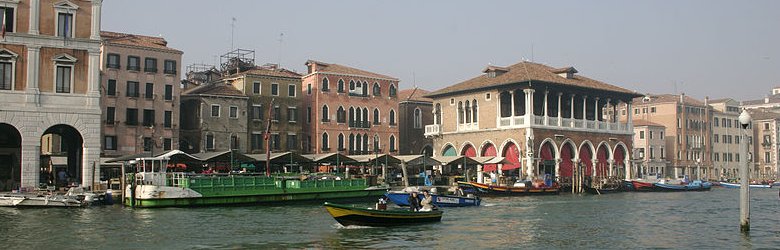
(595, 162)
(584, 108)
(596, 110)
(546, 115)
(34, 17)
(96, 9)
(31, 167)
(529, 100)
(560, 116)
(558, 167)
(629, 114)
(33, 64)
(611, 167)
(610, 108)
(571, 114)
(93, 87)
(90, 166)
(511, 104)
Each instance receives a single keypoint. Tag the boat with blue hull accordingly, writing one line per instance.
(402, 199)
(693, 186)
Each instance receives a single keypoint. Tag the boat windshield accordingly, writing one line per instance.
(151, 165)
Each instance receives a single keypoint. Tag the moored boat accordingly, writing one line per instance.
(639, 186)
(32, 200)
(604, 190)
(401, 198)
(693, 186)
(354, 216)
(737, 185)
(484, 189)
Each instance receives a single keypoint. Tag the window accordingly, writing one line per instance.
(292, 114)
(111, 87)
(274, 89)
(417, 118)
(131, 117)
(169, 67)
(641, 134)
(663, 154)
(109, 142)
(291, 90)
(652, 153)
(325, 143)
(167, 119)
(377, 121)
(715, 138)
(167, 144)
(275, 142)
(256, 88)
(209, 142)
(308, 114)
(341, 142)
(112, 61)
(234, 142)
(256, 140)
(168, 92)
(341, 86)
(487, 96)
(149, 94)
(377, 89)
(150, 65)
(392, 143)
(392, 90)
(651, 135)
(277, 114)
(766, 126)
(392, 117)
(292, 142)
(133, 63)
(7, 67)
(715, 122)
(341, 115)
(132, 89)
(325, 85)
(257, 112)
(233, 112)
(214, 110)
(662, 135)
(110, 115)
(652, 110)
(325, 114)
(7, 17)
(65, 25)
(64, 78)
(308, 89)
(148, 118)
(351, 85)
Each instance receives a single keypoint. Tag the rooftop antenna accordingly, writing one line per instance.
(232, 28)
(281, 40)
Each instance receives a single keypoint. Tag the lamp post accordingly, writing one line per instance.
(744, 194)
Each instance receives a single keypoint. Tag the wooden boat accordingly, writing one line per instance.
(693, 186)
(737, 185)
(639, 186)
(604, 190)
(402, 199)
(484, 189)
(354, 216)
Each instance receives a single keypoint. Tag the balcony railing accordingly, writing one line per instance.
(433, 129)
(359, 124)
(556, 122)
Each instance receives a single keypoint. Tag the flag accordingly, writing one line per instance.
(3, 32)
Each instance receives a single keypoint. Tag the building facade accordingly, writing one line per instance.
(263, 85)
(140, 90)
(766, 145)
(49, 58)
(543, 120)
(414, 112)
(726, 138)
(213, 118)
(349, 110)
(650, 145)
(687, 131)
(770, 102)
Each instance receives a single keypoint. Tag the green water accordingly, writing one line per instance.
(708, 220)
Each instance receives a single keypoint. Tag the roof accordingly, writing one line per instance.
(136, 40)
(721, 100)
(667, 98)
(223, 156)
(323, 67)
(772, 99)
(415, 94)
(638, 123)
(529, 71)
(215, 89)
(330, 158)
(265, 71)
(763, 115)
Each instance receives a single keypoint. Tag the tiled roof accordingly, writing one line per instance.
(136, 40)
(667, 98)
(721, 100)
(638, 123)
(529, 71)
(215, 89)
(341, 69)
(772, 99)
(763, 115)
(278, 72)
(414, 95)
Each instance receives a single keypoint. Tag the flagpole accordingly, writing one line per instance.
(268, 140)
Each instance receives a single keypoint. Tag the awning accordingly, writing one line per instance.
(330, 158)
(449, 160)
(223, 156)
(172, 155)
(281, 158)
(417, 160)
(378, 159)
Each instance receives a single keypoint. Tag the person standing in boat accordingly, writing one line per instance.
(414, 202)
(427, 202)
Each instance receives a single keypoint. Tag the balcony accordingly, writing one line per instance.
(359, 124)
(432, 130)
(561, 123)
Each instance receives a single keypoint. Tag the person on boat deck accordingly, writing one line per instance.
(459, 191)
(414, 202)
(427, 202)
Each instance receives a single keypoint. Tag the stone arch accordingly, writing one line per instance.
(554, 149)
(427, 150)
(568, 152)
(448, 150)
(10, 157)
(484, 145)
(468, 149)
(573, 145)
(511, 152)
(74, 142)
(505, 143)
(603, 155)
(586, 154)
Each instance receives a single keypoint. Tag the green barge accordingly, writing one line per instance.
(152, 186)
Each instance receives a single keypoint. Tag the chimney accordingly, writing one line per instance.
(766, 99)
(706, 100)
(682, 97)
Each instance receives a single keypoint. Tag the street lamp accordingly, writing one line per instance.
(744, 194)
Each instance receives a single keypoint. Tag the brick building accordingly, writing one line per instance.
(49, 60)
(414, 112)
(349, 110)
(766, 145)
(543, 120)
(140, 90)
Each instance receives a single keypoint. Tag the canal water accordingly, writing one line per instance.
(708, 220)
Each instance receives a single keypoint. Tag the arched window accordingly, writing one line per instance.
(461, 114)
(341, 115)
(340, 86)
(392, 90)
(365, 88)
(325, 114)
(365, 143)
(351, 85)
(392, 143)
(341, 142)
(467, 112)
(365, 118)
(325, 84)
(351, 144)
(351, 116)
(325, 142)
(376, 144)
(474, 113)
(377, 89)
(392, 117)
(437, 114)
(505, 98)
(377, 121)
(358, 144)
(417, 118)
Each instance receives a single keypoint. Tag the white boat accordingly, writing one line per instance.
(737, 185)
(32, 200)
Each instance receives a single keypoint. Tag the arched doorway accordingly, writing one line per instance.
(469, 151)
(547, 160)
(511, 154)
(67, 144)
(602, 166)
(586, 160)
(10, 157)
(567, 165)
(488, 150)
(619, 156)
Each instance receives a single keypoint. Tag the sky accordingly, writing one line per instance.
(719, 49)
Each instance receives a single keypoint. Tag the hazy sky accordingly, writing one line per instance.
(703, 48)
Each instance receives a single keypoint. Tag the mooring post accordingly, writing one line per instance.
(744, 192)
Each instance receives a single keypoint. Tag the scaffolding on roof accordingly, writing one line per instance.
(237, 60)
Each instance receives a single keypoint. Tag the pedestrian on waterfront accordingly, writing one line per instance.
(414, 202)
